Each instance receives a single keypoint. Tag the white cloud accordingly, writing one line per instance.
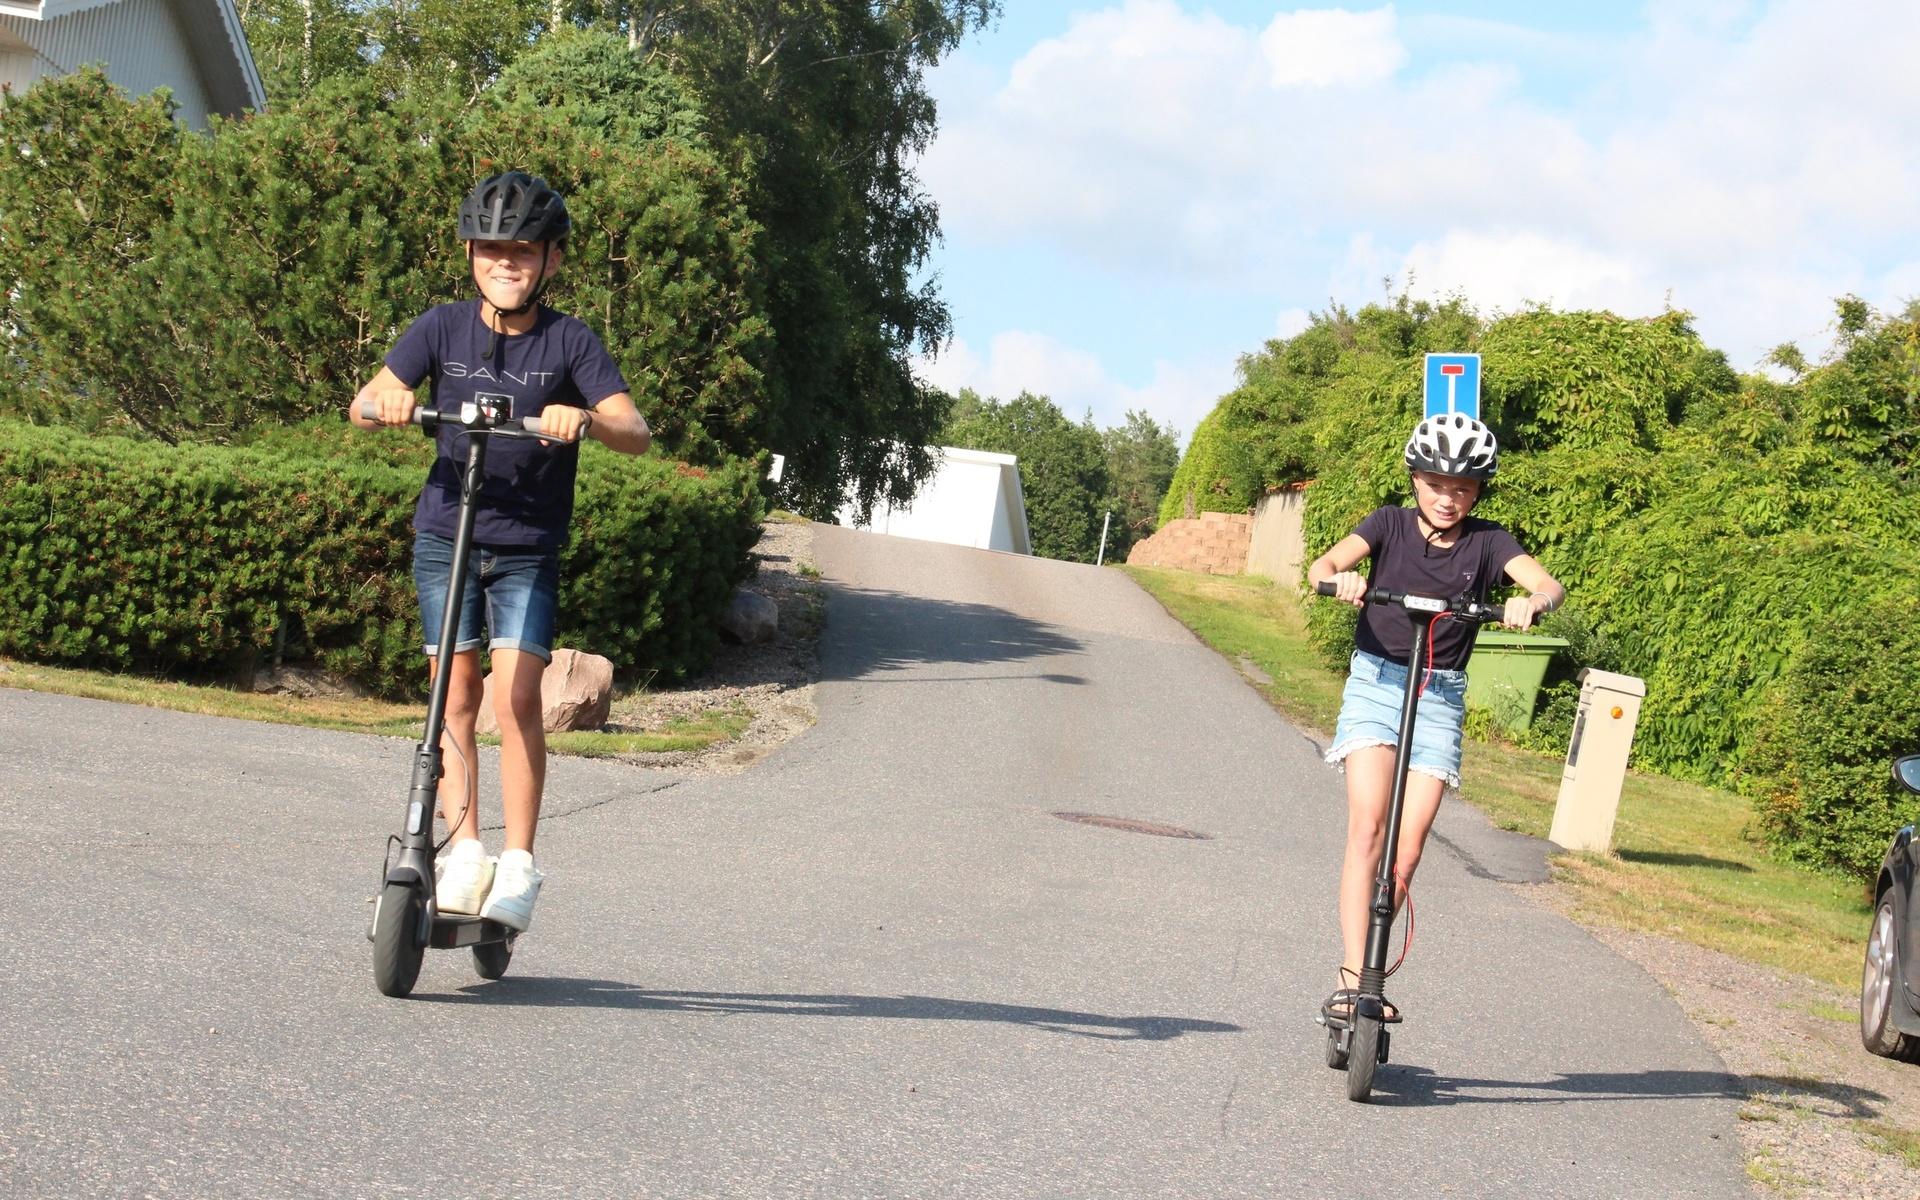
(1507, 271)
(1726, 148)
(1327, 46)
(1177, 393)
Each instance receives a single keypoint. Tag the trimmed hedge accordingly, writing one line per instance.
(193, 559)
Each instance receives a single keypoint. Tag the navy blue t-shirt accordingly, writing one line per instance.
(526, 498)
(1403, 560)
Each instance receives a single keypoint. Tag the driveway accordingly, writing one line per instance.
(877, 964)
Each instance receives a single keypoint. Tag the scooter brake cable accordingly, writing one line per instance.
(1406, 943)
(466, 802)
(1429, 671)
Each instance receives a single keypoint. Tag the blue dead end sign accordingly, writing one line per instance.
(1453, 384)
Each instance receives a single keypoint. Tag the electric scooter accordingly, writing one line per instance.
(1358, 1042)
(405, 920)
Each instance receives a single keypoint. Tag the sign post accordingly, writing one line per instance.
(1453, 385)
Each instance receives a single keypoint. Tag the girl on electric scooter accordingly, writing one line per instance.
(1434, 549)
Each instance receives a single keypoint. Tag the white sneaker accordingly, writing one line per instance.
(516, 885)
(465, 875)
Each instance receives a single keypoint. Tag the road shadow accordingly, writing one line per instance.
(873, 631)
(562, 992)
(1419, 1087)
(1666, 858)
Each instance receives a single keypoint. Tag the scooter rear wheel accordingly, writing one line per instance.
(397, 950)
(490, 959)
(1363, 1056)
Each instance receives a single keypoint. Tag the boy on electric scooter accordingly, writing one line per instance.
(507, 344)
(1434, 549)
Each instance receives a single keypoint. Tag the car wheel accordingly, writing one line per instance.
(1879, 981)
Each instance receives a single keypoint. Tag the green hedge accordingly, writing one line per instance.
(1825, 794)
(196, 559)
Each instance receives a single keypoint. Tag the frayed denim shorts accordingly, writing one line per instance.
(1370, 715)
(515, 588)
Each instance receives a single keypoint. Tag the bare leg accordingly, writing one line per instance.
(1369, 790)
(456, 733)
(523, 742)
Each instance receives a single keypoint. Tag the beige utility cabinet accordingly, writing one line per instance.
(1596, 761)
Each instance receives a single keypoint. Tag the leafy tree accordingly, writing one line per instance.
(1141, 457)
(297, 44)
(819, 105)
(1866, 398)
(1063, 469)
(823, 105)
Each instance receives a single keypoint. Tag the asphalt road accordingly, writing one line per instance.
(875, 965)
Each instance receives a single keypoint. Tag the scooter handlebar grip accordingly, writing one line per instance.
(369, 411)
(1325, 588)
(530, 424)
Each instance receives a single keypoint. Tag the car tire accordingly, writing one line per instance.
(1880, 981)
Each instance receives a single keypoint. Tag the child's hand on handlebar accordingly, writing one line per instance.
(564, 423)
(391, 406)
(1350, 586)
(1518, 612)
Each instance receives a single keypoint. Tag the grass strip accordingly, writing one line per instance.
(347, 713)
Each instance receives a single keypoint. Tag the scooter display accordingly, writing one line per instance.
(405, 920)
(1358, 1041)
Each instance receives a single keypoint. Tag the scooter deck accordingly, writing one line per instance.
(453, 930)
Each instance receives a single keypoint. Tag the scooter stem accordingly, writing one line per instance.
(1373, 971)
(427, 769)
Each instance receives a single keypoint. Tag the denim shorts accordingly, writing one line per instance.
(1370, 715)
(517, 588)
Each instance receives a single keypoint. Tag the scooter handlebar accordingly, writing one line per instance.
(1470, 610)
(429, 417)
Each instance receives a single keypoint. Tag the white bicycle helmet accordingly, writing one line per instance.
(1453, 444)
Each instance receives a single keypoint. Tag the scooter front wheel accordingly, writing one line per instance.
(490, 959)
(1363, 1056)
(397, 949)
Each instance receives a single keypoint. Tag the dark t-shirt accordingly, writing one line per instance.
(526, 498)
(1404, 561)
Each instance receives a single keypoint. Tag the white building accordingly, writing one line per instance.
(196, 48)
(973, 499)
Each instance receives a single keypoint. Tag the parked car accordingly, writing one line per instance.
(1890, 981)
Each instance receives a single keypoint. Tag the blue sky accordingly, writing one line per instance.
(1134, 193)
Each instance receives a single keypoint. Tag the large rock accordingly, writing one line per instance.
(575, 693)
(750, 617)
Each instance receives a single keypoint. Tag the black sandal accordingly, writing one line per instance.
(1337, 1010)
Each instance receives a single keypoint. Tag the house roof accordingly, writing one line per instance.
(213, 33)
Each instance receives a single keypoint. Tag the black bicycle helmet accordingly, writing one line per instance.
(514, 207)
(1453, 444)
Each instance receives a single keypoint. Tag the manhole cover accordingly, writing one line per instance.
(1132, 826)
